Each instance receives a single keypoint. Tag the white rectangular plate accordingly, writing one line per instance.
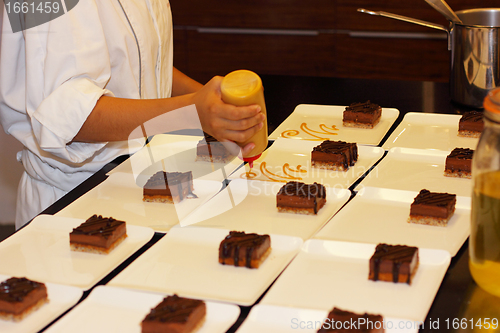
(175, 153)
(250, 206)
(288, 160)
(185, 261)
(378, 215)
(414, 169)
(61, 298)
(429, 131)
(120, 196)
(324, 122)
(326, 274)
(278, 319)
(41, 252)
(109, 309)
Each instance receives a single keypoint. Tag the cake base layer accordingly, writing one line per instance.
(158, 198)
(328, 166)
(431, 220)
(469, 134)
(458, 174)
(354, 124)
(302, 210)
(214, 159)
(96, 249)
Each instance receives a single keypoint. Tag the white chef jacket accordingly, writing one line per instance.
(52, 75)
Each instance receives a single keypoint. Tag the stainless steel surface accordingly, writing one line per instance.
(403, 18)
(475, 67)
(442, 7)
(474, 59)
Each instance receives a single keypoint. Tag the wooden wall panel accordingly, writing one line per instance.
(264, 14)
(401, 59)
(218, 54)
(347, 44)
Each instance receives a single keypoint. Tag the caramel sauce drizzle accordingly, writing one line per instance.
(324, 130)
(275, 177)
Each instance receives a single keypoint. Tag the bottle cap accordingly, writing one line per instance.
(251, 159)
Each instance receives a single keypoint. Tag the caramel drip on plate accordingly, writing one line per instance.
(286, 169)
(462, 153)
(173, 309)
(237, 240)
(98, 225)
(324, 130)
(15, 289)
(426, 197)
(398, 254)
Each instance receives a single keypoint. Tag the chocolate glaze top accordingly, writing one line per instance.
(169, 178)
(173, 309)
(15, 289)
(338, 315)
(334, 147)
(237, 240)
(98, 225)
(426, 197)
(365, 107)
(303, 190)
(472, 116)
(461, 153)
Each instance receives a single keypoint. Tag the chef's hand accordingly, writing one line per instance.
(227, 122)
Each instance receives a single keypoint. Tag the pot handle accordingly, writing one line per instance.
(409, 20)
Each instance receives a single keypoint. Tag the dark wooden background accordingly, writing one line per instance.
(326, 38)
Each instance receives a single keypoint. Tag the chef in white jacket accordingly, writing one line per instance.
(73, 89)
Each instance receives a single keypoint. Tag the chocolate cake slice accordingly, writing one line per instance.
(300, 198)
(241, 249)
(394, 263)
(459, 163)
(19, 297)
(168, 187)
(431, 208)
(362, 115)
(471, 124)
(175, 315)
(345, 321)
(98, 235)
(211, 150)
(334, 155)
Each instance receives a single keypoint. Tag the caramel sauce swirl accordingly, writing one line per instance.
(325, 130)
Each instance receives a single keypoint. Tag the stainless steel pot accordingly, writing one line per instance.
(475, 52)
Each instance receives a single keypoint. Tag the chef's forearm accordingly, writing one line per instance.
(114, 119)
(183, 84)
